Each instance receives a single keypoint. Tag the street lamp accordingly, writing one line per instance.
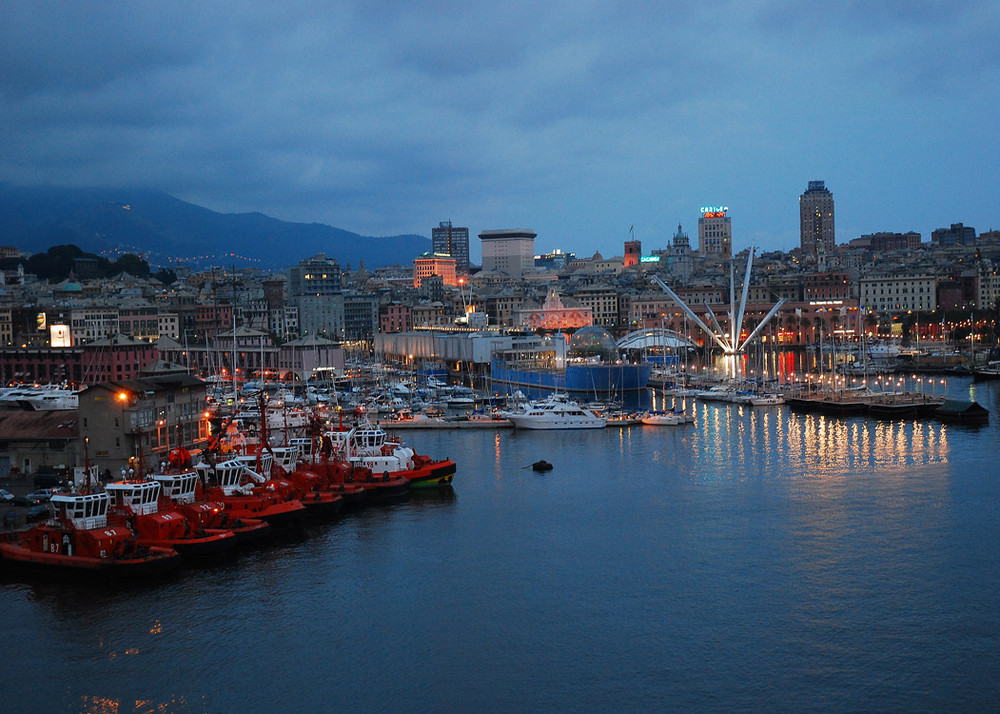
(122, 399)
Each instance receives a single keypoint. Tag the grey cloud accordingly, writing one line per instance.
(381, 116)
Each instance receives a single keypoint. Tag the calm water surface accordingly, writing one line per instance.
(757, 559)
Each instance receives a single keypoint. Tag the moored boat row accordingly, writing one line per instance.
(150, 525)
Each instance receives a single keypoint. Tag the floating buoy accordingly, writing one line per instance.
(542, 465)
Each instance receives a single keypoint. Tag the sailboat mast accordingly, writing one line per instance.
(232, 362)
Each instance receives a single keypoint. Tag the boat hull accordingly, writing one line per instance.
(277, 515)
(386, 488)
(145, 563)
(322, 504)
(205, 544)
(250, 530)
(438, 474)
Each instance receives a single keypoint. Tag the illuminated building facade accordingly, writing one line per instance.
(554, 315)
(556, 260)
(898, 293)
(434, 264)
(816, 234)
(633, 251)
(715, 232)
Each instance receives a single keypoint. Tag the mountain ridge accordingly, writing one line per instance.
(169, 232)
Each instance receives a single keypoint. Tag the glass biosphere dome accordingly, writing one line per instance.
(593, 341)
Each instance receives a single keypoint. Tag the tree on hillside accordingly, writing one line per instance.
(131, 264)
(59, 262)
(56, 263)
(165, 276)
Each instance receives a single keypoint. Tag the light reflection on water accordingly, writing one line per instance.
(816, 445)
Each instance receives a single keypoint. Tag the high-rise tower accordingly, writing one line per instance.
(816, 219)
(715, 232)
(454, 241)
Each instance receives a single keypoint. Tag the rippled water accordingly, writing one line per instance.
(756, 559)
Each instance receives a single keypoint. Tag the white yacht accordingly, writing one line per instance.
(556, 414)
(39, 398)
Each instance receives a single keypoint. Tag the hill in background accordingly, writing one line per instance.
(167, 231)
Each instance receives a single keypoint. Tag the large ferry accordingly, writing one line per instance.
(584, 378)
(588, 365)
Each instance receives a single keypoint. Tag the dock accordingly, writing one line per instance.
(438, 423)
(883, 405)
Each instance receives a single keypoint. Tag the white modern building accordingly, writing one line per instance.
(511, 252)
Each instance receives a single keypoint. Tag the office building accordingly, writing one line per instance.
(715, 232)
(511, 252)
(451, 240)
(816, 235)
(958, 234)
(318, 275)
(438, 264)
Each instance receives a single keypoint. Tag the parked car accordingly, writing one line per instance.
(22, 500)
(37, 513)
(6, 496)
(42, 495)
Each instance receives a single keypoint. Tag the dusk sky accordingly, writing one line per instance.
(575, 120)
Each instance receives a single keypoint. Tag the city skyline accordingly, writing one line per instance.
(361, 117)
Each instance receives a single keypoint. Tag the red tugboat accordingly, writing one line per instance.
(335, 475)
(368, 446)
(79, 539)
(137, 505)
(181, 490)
(268, 500)
(305, 486)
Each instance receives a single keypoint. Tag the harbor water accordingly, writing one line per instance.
(758, 559)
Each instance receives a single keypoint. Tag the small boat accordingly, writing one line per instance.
(987, 372)
(719, 393)
(765, 400)
(382, 487)
(460, 397)
(664, 418)
(623, 419)
(338, 477)
(316, 493)
(78, 538)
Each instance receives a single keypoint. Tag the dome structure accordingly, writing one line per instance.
(593, 341)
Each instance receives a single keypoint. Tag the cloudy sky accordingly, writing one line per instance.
(577, 120)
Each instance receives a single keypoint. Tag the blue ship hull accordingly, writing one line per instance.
(600, 379)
